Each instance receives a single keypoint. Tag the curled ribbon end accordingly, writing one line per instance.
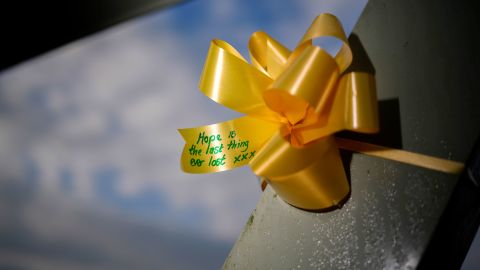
(182, 132)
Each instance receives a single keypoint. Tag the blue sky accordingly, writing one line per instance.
(90, 151)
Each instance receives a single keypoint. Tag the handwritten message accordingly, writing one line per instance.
(214, 150)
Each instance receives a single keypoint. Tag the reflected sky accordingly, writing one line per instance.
(89, 153)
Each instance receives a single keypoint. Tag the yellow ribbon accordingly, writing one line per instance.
(293, 101)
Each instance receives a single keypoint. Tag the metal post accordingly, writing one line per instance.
(424, 55)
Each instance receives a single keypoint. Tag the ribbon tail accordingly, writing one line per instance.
(224, 146)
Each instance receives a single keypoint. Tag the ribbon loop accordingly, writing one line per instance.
(229, 80)
(312, 76)
(309, 178)
(267, 54)
(353, 107)
(327, 25)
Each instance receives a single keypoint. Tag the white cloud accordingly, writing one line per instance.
(116, 99)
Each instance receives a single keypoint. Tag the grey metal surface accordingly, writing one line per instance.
(385, 224)
(425, 63)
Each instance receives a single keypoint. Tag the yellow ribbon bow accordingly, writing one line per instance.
(294, 102)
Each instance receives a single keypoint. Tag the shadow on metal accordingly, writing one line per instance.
(459, 222)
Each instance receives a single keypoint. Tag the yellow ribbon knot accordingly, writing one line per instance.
(294, 102)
